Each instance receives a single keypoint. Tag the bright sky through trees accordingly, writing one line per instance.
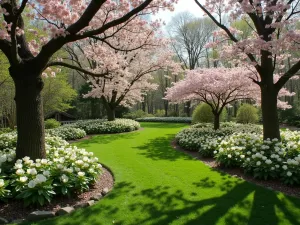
(182, 6)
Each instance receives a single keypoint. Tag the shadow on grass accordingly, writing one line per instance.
(165, 205)
(260, 211)
(160, 149)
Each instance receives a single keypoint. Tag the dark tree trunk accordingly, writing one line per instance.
(188, 108)
(216, 121)
(166, 106)
(269, 112)
(110, 112)
(94, 113)
(144, 106)
(176, 109)
(30, 116)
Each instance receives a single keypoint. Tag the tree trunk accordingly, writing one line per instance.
(166, 106)
(111, 112)
(30, 115)
(188, 108)
(144, 106)
(269, 112)
(216, 121)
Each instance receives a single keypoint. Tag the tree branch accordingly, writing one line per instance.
(289, 74)
(103, 75)
(56, 43)
(230, 35)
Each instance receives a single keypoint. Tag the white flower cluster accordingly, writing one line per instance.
(67, 133)
(203, 138)
(264, 159)
(67, 169)
(106, 127)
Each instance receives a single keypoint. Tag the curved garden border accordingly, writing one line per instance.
(87, 137)
(16, 213)
(237, 172)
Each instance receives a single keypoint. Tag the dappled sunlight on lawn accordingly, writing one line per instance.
(158, 185)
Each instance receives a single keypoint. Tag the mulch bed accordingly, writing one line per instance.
(14, 209)
(238, 172)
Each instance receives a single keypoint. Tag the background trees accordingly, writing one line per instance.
(57, 93)
(217, 87)
(190, 35)
(63, 22)
(127, 61)
(267, 50)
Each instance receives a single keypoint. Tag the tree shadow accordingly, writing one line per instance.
(160, 149)
(242, 204)
(89, 215)
(175, 206)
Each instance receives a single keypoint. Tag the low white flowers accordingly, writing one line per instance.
(268, 161)
(40, 178)
(64, 178)
(32, 171)
(42, 174)
(1, 183)
(284, 167)
(23, 179)
(31, 184)
(46, 173)
(238, 147)
(80, 174)
(20, 172)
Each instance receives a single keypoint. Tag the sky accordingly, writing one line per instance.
(182, 6)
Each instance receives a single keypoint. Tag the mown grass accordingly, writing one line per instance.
(157, 185)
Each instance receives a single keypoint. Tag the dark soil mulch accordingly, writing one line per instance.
(238, 172)
(14, 209)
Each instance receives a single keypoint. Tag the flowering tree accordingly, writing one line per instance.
(64, 22)
(190, 35)
(128, 72)
(267, 49)
(218, 87)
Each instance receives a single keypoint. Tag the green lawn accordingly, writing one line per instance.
(154, 184)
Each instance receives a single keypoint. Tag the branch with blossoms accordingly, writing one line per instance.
(288, 75)
(79, 69)
(229, 33)
(76, 24)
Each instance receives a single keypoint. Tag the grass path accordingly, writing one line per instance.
(156, 185)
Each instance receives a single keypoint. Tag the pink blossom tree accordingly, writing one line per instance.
(129, 73)
(63, 22)
(267, 50)
(218, 87)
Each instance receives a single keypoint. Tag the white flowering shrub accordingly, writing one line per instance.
(67, 133)
(166, 119)
(66, 170)
(202, 125)
(232, 149)
(264, 159)
(106, 127)
(203, 138)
